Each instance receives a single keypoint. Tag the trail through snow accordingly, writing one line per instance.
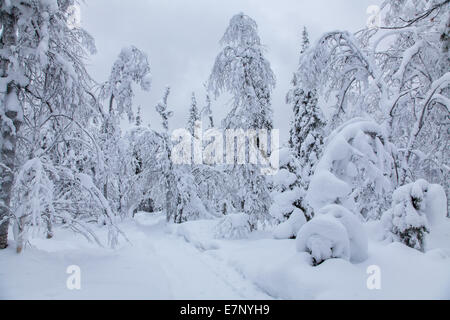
(156, 265)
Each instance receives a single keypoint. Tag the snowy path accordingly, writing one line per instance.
(158, 265)
(194, 274)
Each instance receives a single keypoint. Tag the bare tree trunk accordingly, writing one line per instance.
(8, 132)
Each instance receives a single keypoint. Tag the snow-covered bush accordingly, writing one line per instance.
(355, 170)
(290, 228)
(34, 192)
(285, 190)
(415, 209)
(359, 242)
(324, 237)
(233, 227)
(334, 232)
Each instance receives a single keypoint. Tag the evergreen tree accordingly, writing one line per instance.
(305, 40)
(194, 115)
(307, 128)
(207, 112)
(139, 117)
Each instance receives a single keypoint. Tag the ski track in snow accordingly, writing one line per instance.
(195, 273)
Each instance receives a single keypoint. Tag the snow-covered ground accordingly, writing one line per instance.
(186, 262)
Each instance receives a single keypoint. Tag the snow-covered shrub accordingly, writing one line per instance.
(406, 221)
(359, 242)
(355, 170)
(233, 227)
(324, 237)
(290, 228)
(286, 190)
(34, 194)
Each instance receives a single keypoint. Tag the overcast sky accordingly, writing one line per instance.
(181, 38)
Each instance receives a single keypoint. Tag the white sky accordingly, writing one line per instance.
(181, 39)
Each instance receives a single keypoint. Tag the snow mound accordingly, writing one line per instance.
(199, 233)
(436, 205)
(233, 227)
(290, 228)
(359, 242)
(324, 237)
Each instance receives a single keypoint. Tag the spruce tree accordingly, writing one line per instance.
(307, 127)
(194, 114)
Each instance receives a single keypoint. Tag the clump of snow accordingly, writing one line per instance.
(324, 237)
(282, 205)
(326, 188)
(359, 242)
(284, 178)
(284, 155)
(290, 228)
(233, 227)
(436, 205)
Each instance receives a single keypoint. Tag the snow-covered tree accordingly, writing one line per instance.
(241, 70)
(11, 116)
(182, 202)
(131, 67)
(355, 171)
(139, 117)
(305, 40)
(207, 112)
(286, 192)
(397, 73)
(50, 87)
(307, 131)
(194, 115)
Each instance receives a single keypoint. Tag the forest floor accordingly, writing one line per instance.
(164, 261)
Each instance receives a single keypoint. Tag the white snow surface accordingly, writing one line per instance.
(165, 261)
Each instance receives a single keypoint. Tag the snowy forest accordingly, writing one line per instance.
(354, 205)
